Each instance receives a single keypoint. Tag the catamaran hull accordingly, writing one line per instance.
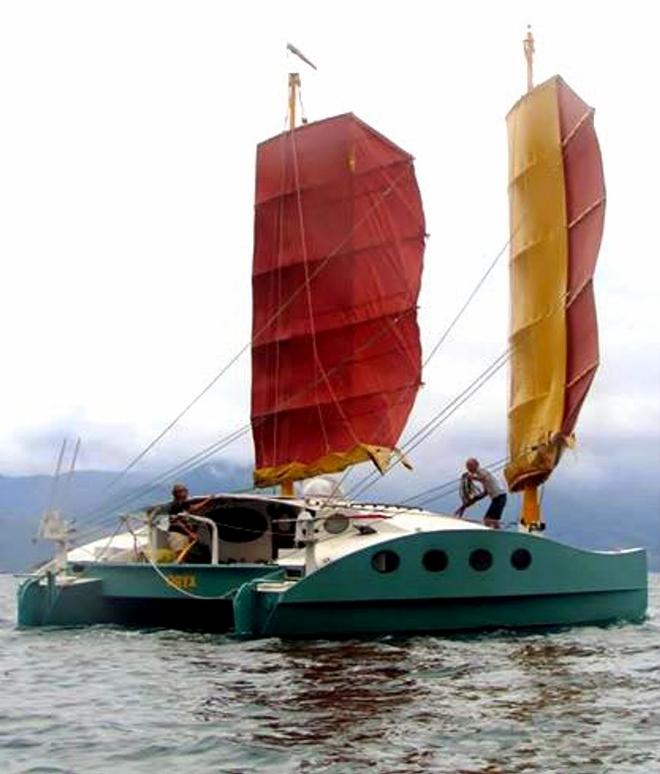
(480, 588)
(196, 597)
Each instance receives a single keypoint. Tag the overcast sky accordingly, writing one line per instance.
(127, 146)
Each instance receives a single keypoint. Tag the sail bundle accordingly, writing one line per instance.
(557, 204)
(338, 249)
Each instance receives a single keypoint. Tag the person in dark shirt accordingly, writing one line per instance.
(180, 503)
(178, 508)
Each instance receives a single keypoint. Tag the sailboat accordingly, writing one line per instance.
(336, 365)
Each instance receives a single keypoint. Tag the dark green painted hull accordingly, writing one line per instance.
(562, 586)
(136, 595)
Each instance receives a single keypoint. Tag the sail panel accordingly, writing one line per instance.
(538, 274)
(556, 209)
(585, 208)
(339, 240)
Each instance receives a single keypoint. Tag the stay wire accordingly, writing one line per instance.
(436, 421)
(281, 309)
(198, 459)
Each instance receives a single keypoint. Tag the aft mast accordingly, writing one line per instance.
(557, 200)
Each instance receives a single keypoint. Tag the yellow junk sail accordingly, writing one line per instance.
(556, 197)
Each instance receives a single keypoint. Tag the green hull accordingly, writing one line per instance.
(349, 597)
(137, 595)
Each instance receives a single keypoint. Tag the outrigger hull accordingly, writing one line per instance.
(195, 597)
(478, 589)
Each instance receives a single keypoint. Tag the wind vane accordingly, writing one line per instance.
(290, 47)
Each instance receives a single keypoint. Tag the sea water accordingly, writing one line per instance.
(104, 699)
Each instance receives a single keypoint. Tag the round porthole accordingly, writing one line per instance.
(385, 561)
(521, 559)
(435, 560)
(336, 523)
(481, 559)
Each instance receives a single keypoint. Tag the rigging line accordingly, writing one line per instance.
(177, 418)
(423, 433)
(368, 484)
(197, 459)
(453, 482)
(383, 195)
(469, 299)
(455, 320)
(66, 495)
(278, 278)
(310, 306)
(97, 515)
(438, 419)
(452, 490)
(56, 477)
(457, 317)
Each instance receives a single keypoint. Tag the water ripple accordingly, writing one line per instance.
(85, 700)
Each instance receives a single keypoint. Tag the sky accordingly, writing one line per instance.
(127, 147)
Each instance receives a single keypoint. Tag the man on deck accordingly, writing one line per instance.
(490, 488)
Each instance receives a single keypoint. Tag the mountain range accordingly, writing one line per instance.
(591, 516)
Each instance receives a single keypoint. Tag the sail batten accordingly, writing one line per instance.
(557, 198)
(339, 240)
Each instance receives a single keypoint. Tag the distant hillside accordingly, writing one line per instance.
(622, 514)
(88, 500)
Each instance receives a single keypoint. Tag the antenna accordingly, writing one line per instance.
(56, 476)
(69, 478)
(528, 46)
(294, 83)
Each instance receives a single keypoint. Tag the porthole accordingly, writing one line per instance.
(385, 561)
(521, 559)
(336, 523)
(435, 560)
(481, 560)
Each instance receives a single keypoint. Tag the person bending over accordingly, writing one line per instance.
(477, 483)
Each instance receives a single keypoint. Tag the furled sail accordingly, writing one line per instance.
(338, 247)
(557, 203)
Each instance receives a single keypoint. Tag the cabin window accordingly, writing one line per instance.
(385, 561)
(435, 560)
(481, 560)
(521, 559)
(336, 523)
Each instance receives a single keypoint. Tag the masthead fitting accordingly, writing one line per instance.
(528, 46)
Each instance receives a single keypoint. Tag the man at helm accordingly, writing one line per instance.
(477, 483)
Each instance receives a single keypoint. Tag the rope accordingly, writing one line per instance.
(469, 299)
(275, 316)
(436, 421)
(310, 306)
(198, 459)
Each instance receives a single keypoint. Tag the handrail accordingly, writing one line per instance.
(215, 544)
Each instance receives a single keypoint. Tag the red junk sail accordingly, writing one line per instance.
(338, 246)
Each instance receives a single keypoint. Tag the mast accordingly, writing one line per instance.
(530, 514)
(528, 45)
(286, 488)
(557, 199)
(335, 373)
(294, 85)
